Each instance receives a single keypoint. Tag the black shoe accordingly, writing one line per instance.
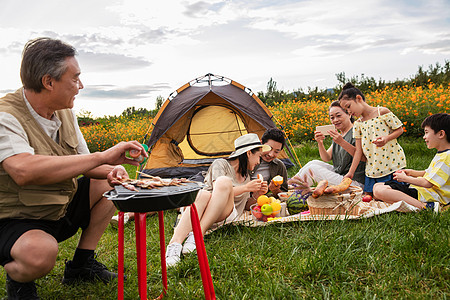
(18, 290)
(433, 206)
(91, 271)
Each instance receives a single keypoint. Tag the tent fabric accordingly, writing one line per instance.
(186, 100)
(174, 110)
(200, 124)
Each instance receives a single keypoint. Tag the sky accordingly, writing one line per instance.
(132, 51)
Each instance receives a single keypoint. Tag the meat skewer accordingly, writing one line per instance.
(153, 182)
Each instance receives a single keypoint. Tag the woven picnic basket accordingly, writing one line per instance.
(345, 203)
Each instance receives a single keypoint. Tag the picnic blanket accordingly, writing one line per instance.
(367, 210)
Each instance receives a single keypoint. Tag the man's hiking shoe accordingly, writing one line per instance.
(433, 206)
(20, 291)
(91, 271)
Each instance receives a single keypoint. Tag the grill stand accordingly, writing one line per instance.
(141, 242)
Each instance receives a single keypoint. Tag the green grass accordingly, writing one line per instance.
(392, 256)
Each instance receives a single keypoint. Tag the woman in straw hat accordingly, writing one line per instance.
(227, 189)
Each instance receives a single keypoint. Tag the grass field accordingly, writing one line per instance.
(391, 256)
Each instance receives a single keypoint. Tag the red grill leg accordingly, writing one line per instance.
(205, 272)
(120, 258)
(162, 250)
(141, 245)
(137, 229)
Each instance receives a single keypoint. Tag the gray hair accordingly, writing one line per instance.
(43, 56)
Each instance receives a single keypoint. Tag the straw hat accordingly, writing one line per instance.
(247, 142)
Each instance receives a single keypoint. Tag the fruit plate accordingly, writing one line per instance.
(283, 196)
(259, 216)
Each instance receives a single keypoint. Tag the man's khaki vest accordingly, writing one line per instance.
(47, 202)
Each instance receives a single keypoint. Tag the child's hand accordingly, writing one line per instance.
(380, 141)
(400, 175)
(407, 171)
(349, 175)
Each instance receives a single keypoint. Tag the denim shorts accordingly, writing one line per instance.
(370, 182)
(77, 216)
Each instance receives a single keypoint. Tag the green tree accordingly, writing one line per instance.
(159, 102)
(364, 83)
(132, 111)
(273, 95)
(439, 74)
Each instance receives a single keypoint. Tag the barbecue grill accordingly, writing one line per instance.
(158, 199)
(155, 199)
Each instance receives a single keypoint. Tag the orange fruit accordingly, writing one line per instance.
(276, 207)
(277, 180)
(263, 199)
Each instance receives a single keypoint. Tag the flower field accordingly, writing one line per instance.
(299, 119)
(410, 104)
(104, 135)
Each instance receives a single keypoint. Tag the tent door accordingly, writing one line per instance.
(212, 131)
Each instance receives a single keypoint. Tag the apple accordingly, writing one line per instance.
(257, 212)
(266, 209)
(367, 198)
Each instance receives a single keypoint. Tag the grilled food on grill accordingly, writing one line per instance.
(154, 182)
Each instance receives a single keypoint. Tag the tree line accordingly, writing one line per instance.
(438, 74)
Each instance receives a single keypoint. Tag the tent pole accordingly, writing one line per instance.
(142, 166)
(291, 149)
(294, 154)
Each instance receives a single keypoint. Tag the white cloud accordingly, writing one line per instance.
(101, 62)
(128, 92)
(154, 47)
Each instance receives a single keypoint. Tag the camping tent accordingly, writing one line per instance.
(199, 123)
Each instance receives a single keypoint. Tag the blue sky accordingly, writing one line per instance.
(131, 51)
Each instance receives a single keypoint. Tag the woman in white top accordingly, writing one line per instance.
(227, 189)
